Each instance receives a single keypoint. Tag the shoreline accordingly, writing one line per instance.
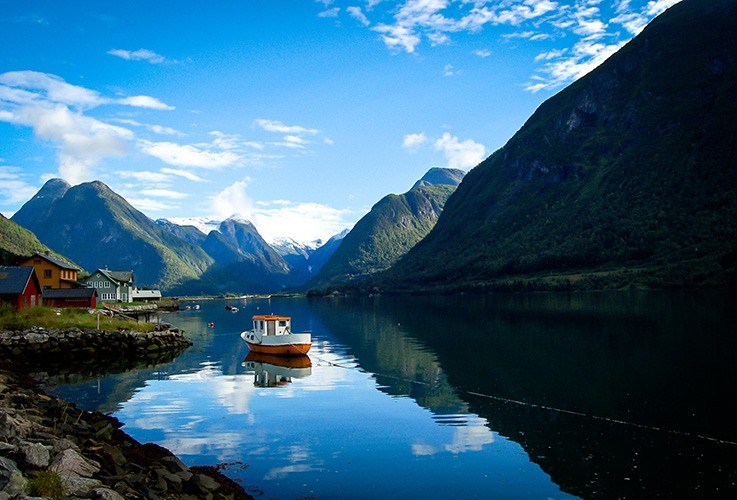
(47, 442)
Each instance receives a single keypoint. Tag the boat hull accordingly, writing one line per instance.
(296, 344)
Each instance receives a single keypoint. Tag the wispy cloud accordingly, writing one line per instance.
(277, 126)
(357, 13)
(188, 155)
(14, 188)
(138, 55)
(333, 12)
(164, 193)
(144, 101)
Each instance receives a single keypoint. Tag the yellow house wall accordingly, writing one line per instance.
(57, 274)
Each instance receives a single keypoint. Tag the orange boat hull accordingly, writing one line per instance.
(280, 350)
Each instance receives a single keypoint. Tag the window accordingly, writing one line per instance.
(47, 273)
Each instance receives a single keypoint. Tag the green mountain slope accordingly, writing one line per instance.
(96, 228)
(37, 208)
(626, 177)
(17, 242)
(392, 227)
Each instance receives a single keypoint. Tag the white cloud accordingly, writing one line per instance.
(460, 154)
(413, 141)
(144, 176)
(13, 188)
(164, 193)
(483, 53)
(657, 7)
(187, 155)
(183, 173)
(357, 13)
(144, 101)
(82, 142)
(330, 12)
(51, 88)
(138, 55)
(398, 37)
(149, 205)
(279, 127)
(301, 221)
(448, 70)
(233, 200)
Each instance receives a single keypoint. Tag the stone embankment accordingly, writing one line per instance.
(36, 344)
(51, 449)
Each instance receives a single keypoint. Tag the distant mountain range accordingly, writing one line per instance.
(626, 178)
(92, 225)
(392, 227)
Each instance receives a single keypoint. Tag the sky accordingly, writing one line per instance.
(297, 115)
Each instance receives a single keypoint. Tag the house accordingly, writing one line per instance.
(112, 285)
(52, 272)
(19, 286)
(139, 295)
(70, 297)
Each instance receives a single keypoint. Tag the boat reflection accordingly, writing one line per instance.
(276, 371)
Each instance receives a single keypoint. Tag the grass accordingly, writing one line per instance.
(60, 319)
(46, 484)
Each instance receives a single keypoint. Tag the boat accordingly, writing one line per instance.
(272, 334)
(276, 371)
(231, 308)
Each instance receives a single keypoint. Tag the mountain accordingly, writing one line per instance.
(244, 262)
(36, 209)
(95, 227)
(628, 177)
(297, 256)
(438, 175)
(190, 234)
(393, 226)
(323, 252)
(17, 241)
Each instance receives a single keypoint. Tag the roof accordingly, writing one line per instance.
(69, 293)
(14, 279)
(271, 317)
(118, 276)
(54, 261)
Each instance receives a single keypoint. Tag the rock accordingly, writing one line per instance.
(174, 465)
(70, 463)
(79, 486)
(35, 454)
(12, 481)
(105, 494)
(204, 483)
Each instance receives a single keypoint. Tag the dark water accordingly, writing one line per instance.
(530, 396)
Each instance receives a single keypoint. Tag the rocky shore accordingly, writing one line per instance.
(49, 448)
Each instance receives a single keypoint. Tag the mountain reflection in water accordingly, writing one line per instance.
(608, 394)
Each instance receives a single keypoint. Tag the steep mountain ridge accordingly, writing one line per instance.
(390, 229)
(96, 227)
(628, 177)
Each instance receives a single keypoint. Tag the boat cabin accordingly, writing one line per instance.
(272, 325)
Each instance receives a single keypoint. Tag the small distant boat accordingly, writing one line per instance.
(272, 334)
(196, 306)
(231, 308)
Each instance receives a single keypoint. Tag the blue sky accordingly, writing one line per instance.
(298, 115)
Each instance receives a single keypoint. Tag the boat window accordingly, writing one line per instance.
(282, 323)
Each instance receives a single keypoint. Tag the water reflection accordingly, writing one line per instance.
(276, 371)
(523, 395)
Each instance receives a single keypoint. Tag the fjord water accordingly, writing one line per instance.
(526, 396)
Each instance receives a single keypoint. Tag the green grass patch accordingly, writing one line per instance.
(61, 319)
(46, 484)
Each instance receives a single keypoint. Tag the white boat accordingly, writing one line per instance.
(272, 334)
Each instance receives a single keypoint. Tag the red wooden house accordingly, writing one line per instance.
(19, 287)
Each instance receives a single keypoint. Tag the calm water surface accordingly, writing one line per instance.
(525, 396)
